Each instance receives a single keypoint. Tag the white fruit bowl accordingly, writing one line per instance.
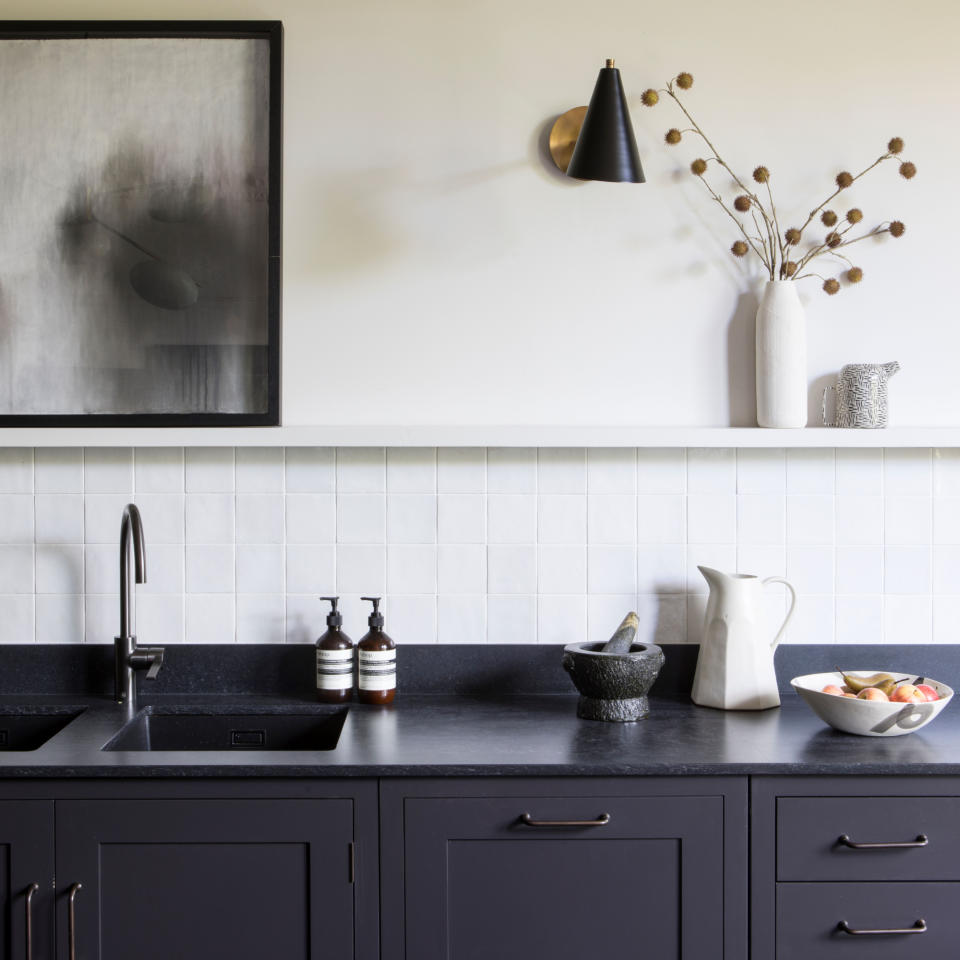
(869, 718)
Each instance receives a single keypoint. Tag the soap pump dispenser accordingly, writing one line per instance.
(378, 661)
(334, 659)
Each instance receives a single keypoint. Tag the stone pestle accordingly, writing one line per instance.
(623, 638)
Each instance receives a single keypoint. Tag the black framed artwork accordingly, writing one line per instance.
(140, 175)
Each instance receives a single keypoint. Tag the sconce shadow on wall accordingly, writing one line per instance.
(597, 142)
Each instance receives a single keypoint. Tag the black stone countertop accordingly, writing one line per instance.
(534, 735)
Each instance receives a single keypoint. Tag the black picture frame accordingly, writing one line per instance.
(272, 32)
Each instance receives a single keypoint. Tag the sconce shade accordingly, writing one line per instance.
(606, 148)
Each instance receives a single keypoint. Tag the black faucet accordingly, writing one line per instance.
(128, 657)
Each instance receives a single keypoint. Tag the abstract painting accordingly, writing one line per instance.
(140, 235)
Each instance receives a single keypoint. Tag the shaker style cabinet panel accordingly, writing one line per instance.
(26, 879)
(195, 879)
(530, 870)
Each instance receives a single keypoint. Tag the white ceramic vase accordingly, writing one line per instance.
(781, 357)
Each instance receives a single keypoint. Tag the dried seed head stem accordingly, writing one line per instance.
(771, 244)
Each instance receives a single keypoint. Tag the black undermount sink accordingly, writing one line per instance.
(230, 729)
(30, 729)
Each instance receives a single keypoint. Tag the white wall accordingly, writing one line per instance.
(499, 545)
(436, 271)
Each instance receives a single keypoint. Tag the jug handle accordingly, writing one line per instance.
(793, 607)
(823, 407)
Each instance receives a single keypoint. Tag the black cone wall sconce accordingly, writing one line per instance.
(597, 142)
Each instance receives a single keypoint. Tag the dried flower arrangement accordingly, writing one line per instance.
(779, 250)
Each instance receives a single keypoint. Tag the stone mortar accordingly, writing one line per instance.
(613, 686)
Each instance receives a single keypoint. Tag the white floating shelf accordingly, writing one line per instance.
(475, 436)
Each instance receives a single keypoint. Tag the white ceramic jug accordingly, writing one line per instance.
(735, 665)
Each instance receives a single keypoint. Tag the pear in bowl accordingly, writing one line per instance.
(877, 713)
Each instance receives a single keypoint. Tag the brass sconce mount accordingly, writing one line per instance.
(563, 136)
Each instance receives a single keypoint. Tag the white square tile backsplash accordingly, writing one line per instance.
(16, 471)
(412, 470)
(461, 470)
(159, 470)
(511, 470)
(209, 470)
(259, 470)
(107, 470)
(561, 471)
(58, 471)
(17, 569)
(501, 545)
(311, 470)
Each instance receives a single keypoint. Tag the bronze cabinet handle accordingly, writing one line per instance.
(921, 841)
(600, 821)
(72, 921)
(919, 927)
(31, 890)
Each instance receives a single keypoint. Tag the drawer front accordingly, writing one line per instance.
(809, 845)
(809, 915)
(531, 818)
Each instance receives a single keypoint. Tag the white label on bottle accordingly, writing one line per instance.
(334, 669)
(377, 656)
(378, 669)
(378, 681)
(329, 656)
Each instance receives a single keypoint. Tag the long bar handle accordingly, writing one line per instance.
(919, 927)
(600, 821)
(921, 841)
(31, 890)
(72, 921)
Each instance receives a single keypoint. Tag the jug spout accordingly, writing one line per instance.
(890, 368)
(713, 577)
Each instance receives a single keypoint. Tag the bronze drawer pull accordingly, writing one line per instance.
(919, 927)
(31, 890)
(921, 841)
(72, 921)
(603, 819)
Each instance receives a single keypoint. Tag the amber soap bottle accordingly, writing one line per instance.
(377, 655)
(334, 659)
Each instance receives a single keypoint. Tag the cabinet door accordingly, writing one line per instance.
(26, 858)
(641, 877)
(197, 879)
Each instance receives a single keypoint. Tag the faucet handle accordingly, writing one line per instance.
(151, 657)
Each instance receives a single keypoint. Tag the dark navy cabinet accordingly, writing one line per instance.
(26, 879)
(855, 867)
(480, 868)
(565, 869)
(195, 870)
(195, 879)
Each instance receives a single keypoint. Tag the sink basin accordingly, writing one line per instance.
(234, 729)
(30, 729)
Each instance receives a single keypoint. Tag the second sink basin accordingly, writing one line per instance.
(31, 729)
(199, 729)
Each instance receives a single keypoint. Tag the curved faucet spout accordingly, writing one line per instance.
(128, 657)
(130, 523)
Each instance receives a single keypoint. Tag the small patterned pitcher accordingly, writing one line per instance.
(861, 395)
